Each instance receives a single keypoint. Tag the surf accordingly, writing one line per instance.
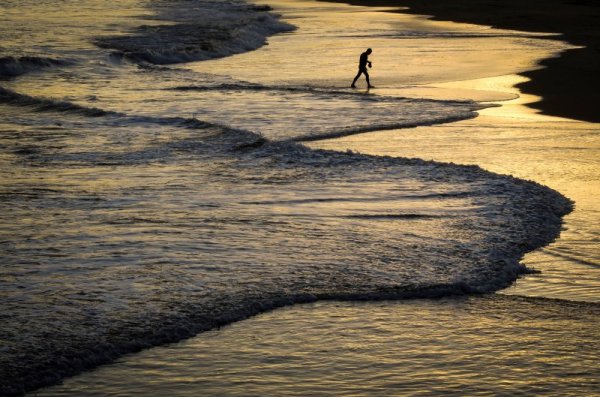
(174, 201)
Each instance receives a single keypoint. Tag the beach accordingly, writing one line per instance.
(566, 85)
(437, 234)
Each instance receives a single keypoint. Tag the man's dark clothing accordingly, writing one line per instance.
(364, 59)
(362, 68)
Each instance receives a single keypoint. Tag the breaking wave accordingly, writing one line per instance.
(11, 66)
(313, 124)
(377, 247)
(198, 30)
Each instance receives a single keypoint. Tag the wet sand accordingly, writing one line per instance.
(569, 85)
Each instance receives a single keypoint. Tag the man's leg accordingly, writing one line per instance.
(367, 76)
(356, 78)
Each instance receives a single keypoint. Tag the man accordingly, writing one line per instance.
(362, 67)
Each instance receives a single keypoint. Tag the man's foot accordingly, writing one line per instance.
(352, 86)
(371, 86)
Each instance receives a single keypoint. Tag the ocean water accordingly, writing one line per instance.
(155, 185)
(497, 345)
(560, 153)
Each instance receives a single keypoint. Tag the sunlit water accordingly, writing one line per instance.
(142, 204)
(560, 153)
(484, 346)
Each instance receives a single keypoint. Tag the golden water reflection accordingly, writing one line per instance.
(482, 346)
(514, 139)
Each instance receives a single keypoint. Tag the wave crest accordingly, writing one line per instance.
(11, 66)
(204, 31)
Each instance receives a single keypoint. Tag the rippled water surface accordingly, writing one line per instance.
(560, 153)
(144, 201)
(484, 346)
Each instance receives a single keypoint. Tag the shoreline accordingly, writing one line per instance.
(302, 297)
(567, 84)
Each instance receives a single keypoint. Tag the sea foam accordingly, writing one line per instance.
(208, 226)
(197, 30)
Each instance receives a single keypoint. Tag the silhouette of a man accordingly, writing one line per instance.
(362, 67)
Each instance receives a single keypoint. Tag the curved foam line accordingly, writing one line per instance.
(541, 228)
(324, 91)
(16, 66)
(384, 127)
(235, 29)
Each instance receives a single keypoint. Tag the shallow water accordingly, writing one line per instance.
(143, 204)
(560, 153)
(415, 57)
(480, 346)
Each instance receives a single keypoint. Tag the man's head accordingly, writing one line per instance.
(369, 51)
